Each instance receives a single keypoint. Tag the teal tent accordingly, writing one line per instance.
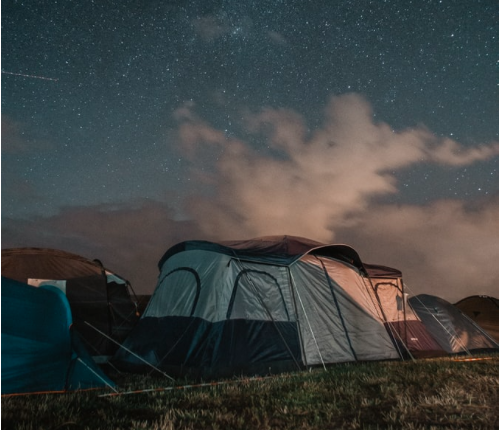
(40, 351)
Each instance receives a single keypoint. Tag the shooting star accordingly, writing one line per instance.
(30, 76)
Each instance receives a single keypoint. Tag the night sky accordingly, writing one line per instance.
(129, 126)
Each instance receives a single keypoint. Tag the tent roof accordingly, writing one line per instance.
(478, 299)
(377, 271)
(282, 250)
(484, 310)
(46, 263)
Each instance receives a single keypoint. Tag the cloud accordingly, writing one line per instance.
(210, 27)
(277, 38)
(15, 144)
(302, 183)
(129, 239)
(449, 152)
(213, 26)
(283, 178)
(322, 185)
(446, 248)
(17, 140)
(13, 141)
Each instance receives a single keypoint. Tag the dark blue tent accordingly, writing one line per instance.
(40, 352)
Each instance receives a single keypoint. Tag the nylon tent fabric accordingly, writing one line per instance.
(405, 327)
(343, 321)
(454, 331)
(44, 263)
(39, 351)
(96, 295)
(271, 249)
(259, 306)
(484, 311)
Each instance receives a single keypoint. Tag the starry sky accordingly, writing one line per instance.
(129, 126)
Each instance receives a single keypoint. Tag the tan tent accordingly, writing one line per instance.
(96, 295)
(484, 311)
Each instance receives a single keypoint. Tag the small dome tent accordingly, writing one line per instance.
(264, 305)
(454, 331)
(484, 311)
(40, 351)
(96, 295)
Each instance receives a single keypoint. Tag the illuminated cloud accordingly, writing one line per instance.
(285, 179)
(449, 152)
(445, 248)
(307, 185)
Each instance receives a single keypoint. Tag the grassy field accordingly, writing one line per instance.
(427, 394)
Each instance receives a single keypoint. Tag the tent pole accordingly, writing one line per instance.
(175, 344)
(445, 329)
(131, 352)
(388, 323)
(293, 287)
(404, 302)
(309, 325)
(108, 307)
(480, 329)
(331, 288)
(96, 374)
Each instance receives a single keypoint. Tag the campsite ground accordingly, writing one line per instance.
(425, 394)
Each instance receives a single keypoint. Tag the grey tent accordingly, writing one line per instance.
(484, 311)
(96, 295)
(258, 306)
(454, 331)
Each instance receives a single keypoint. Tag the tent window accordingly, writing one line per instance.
(177, 294)
(257, 296)
(61, 284)
(390, 284)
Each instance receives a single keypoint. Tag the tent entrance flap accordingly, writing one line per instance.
(270, 297)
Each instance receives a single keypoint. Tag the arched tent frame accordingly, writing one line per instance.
(282, 303)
